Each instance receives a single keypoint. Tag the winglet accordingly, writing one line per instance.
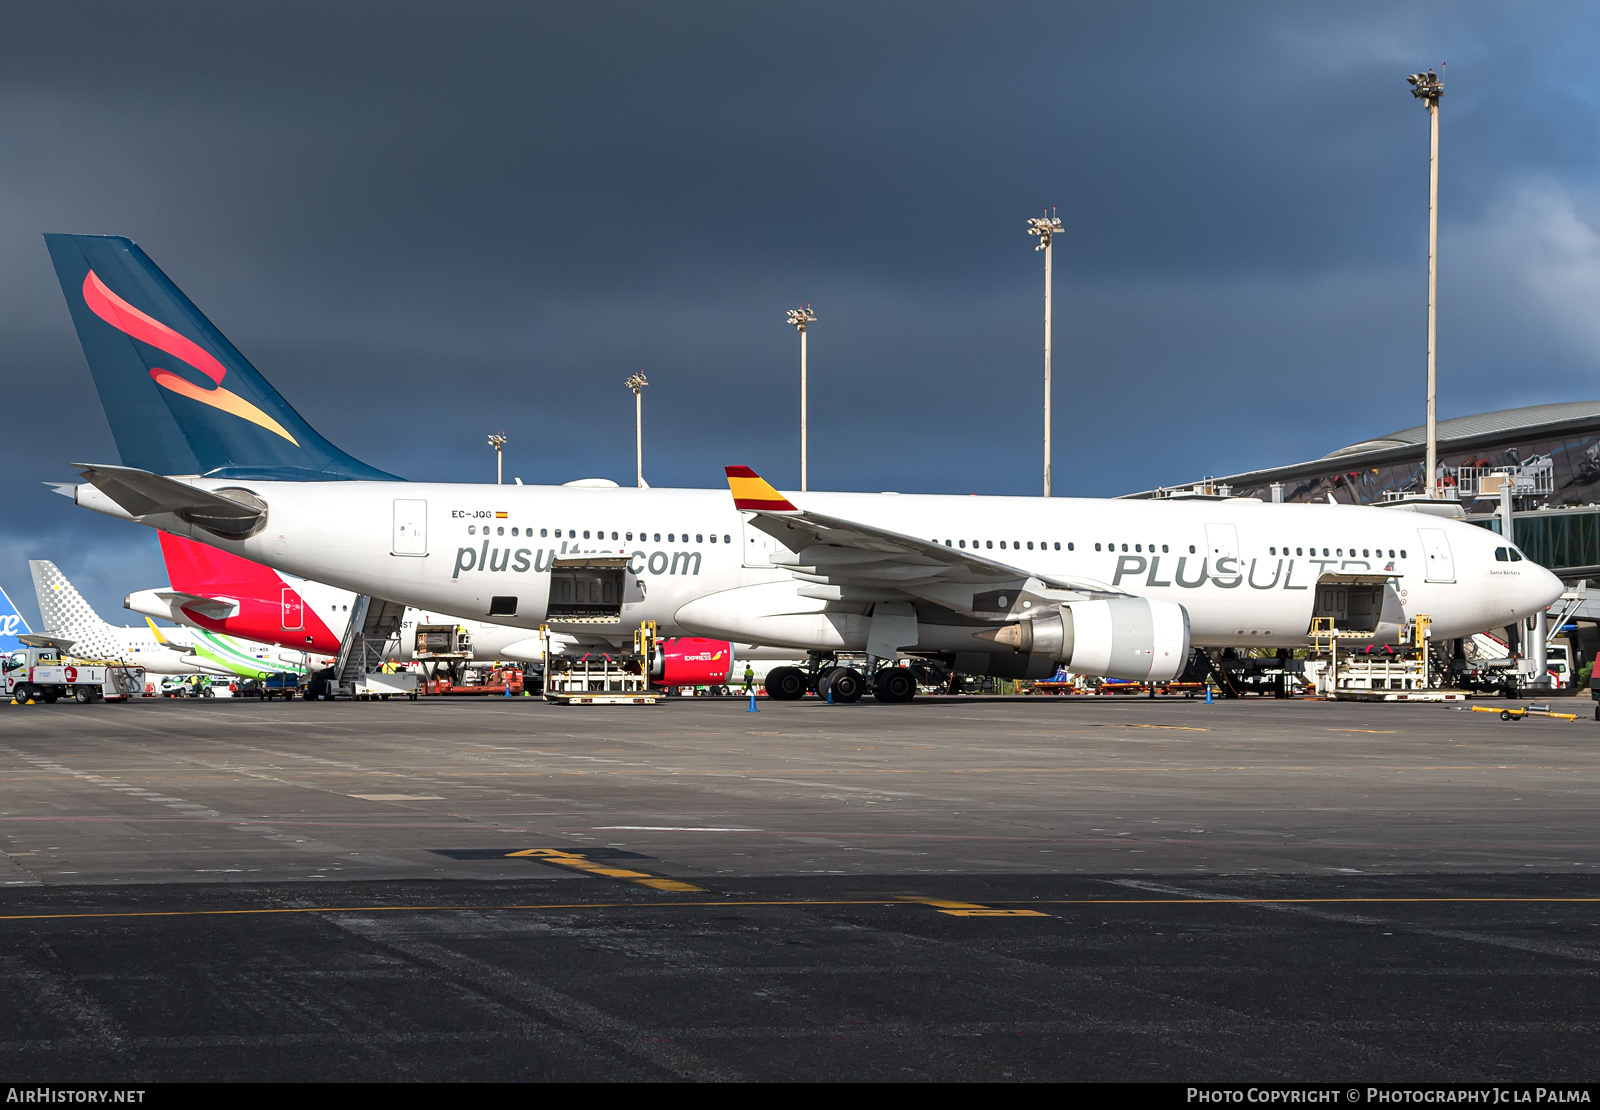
(160, 639)
(751, 491)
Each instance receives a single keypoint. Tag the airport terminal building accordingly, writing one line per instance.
(1550, 452)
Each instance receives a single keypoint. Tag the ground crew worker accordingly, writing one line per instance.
(749, 677)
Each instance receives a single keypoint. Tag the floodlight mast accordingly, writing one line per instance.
(637, 384)
(1045, 228)
(799, 318)
(1428, 88)
(498, 441)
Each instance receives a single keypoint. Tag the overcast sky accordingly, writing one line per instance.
(427, 222)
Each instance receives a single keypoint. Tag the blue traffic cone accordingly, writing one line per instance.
(1208, 693)
(753, 708)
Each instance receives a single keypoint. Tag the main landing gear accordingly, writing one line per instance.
(842, 685)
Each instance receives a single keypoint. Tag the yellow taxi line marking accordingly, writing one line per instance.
(968, 909)
(578, 862)
(799, 903)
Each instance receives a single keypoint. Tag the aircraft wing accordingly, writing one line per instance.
(182, 649)
(851, 561)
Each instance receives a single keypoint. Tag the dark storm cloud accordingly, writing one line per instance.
(427, 222)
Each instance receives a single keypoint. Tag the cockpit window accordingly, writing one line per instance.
(1516, 556)
(1500, 555)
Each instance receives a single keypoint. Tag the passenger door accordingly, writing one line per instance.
(1222, 542)
(294, 611)
(1436, 549)
(410, 527)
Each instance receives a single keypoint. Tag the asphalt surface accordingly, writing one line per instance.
(955, 889)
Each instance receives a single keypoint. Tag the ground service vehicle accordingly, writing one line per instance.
(41, 670)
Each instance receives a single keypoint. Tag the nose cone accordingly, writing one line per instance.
(1537, 590)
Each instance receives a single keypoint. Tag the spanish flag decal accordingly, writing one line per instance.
(751, 491)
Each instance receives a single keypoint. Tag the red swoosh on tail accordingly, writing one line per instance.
(131, 322)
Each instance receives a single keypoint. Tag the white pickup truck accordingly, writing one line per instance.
(41, 670)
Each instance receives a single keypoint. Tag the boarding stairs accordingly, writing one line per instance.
(374, 625)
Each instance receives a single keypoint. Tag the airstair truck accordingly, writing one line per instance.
(41, 670)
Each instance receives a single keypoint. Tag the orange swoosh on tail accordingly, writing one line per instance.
(131, 322)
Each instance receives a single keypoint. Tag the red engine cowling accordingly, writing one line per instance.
(692, 661)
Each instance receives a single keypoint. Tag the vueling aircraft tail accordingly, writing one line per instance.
(66, 614)
(179, 397)
(11, 624)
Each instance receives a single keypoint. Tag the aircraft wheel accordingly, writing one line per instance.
(83, 694)
(846, 685)
(894, 685)
(786, 684)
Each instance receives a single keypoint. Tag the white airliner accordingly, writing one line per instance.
(992, 585)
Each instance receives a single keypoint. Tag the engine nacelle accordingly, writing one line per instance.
(1123, 637)
(692, 661)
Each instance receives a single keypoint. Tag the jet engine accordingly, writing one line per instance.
(1123, 637)
(692, 661)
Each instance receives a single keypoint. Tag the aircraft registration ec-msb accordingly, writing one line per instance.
(994, 585)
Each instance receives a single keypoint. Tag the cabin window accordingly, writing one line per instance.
(472, 529)
(1402, 553)
(669, 537)
(586, 533)
(713, 537)
(1097, 547)
(1191, 549)
(500, 531)
(989, 544)
(1363, 553)
(1163, 549)
(727, 539)
(658, 538)
(1124, 547)
(963, 543)
(1002, 545)
(544, 532)
(1136, 547)
(947, 543)
(700, 538)
(1391, 553)
(1030, 545)
(613, 535)
(1299, 551)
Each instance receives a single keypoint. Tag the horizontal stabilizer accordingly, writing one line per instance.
(174, 605)
(143, 494)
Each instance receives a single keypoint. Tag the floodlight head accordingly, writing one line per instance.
(1426, 87)
(800, 317)
(497, 440)
(1044, 227)
(637, 382)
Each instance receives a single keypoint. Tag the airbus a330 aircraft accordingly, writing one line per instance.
(993, 585)
(179, 651)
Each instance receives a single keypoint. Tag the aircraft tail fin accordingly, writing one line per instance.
(11, 624)
(67, 614)
(202, 569)
(180, 398)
